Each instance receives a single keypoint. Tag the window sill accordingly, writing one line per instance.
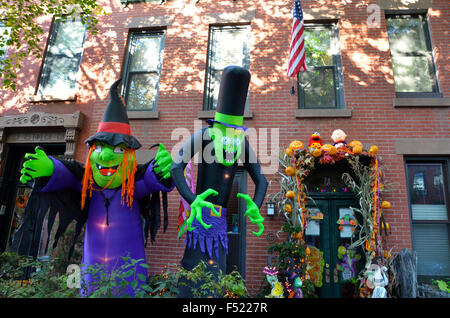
(422, 146)
(209, 114)
(50, 98)
(143, 114)
(421, 102)
(322, 113)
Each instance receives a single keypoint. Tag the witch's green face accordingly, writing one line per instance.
(106, 164)
(227, 143)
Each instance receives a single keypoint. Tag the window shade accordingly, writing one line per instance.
(429, 212)
(431, 243)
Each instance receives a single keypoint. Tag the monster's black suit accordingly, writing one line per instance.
(214, 175)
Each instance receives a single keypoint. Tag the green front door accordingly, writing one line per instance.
(328, 238)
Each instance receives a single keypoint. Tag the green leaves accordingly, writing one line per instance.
(219, 285)
(49, 282)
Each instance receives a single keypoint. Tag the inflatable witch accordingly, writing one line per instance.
(113, 191)
(219, 145)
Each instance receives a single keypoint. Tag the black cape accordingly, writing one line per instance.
(67, 203)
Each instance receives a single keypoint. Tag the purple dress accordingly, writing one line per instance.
(107, 244)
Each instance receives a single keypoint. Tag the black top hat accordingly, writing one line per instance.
(232, 95)
(233, 91)
(114, 128)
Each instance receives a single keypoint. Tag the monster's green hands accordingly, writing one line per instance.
(253, 213)
(196, 211)
(38, 165)
(163, 162)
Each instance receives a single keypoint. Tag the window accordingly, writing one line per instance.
(411, 53)
(228, 45)
(428, 187)
(4, 37)
(62, 59)
(321, 86)
(143, 69)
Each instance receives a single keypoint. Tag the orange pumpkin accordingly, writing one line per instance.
(386, 205)
(296, 144)
(290, 194)
(316, 152)
(330, 148)
(290, 171)
(288, 151)
(373, 150)
(288, 208)
(357, 147)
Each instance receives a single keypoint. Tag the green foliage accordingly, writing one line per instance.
(443, 285)
(224, 285)
(164, 284)
(44, 281)
(48, 281)
(22, 32)
(112, 284)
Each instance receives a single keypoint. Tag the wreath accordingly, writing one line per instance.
(21, 201)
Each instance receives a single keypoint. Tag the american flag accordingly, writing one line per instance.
(297, 62)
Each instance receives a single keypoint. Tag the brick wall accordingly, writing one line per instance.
(368, 88)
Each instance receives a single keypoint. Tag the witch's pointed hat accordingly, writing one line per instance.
(232, 96)
(114, 128)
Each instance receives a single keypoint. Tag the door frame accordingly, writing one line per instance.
(9, 185)
(329, 238)
(242, 222)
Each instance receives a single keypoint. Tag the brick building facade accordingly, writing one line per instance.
(369, 103)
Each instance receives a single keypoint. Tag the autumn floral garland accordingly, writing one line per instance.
(298, 162)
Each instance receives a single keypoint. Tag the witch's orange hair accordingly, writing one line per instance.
(128, 173)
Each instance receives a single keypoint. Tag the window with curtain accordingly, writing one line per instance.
(428, 189)
(62, 59)
(411, 53)
(228, 45)
(143, 69)
(321, 86)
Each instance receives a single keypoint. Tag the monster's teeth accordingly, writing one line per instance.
(109, 173)
(99, 167)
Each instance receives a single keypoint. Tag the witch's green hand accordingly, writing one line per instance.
(253, 213)
(38, 165)
(163, 161)
(196, 211)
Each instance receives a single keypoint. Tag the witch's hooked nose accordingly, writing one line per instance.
(107, 154)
